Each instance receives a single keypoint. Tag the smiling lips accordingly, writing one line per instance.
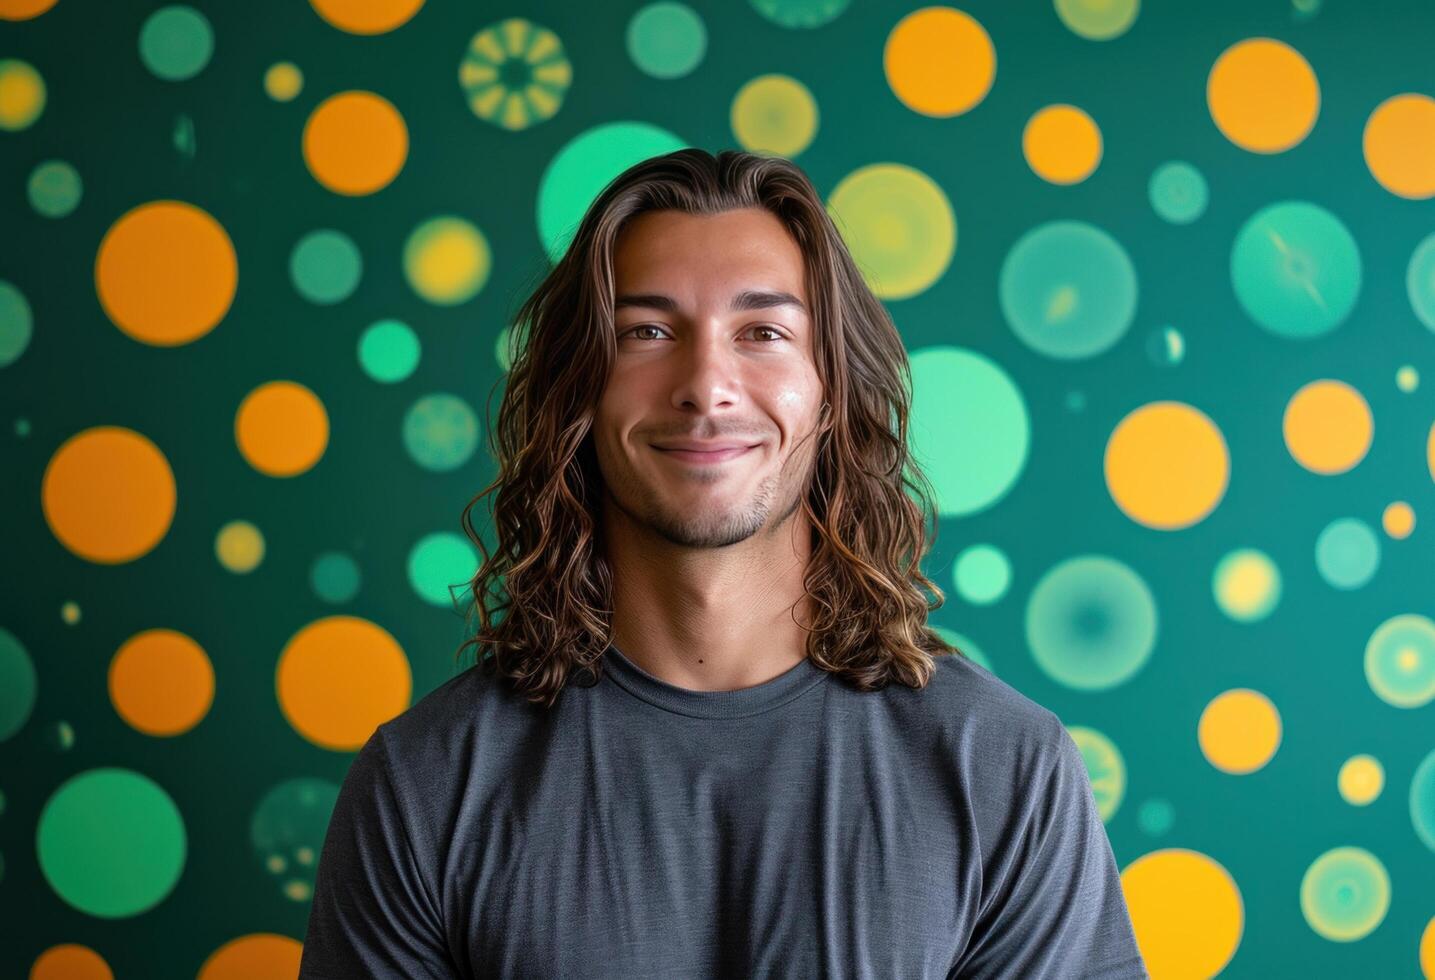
(705, 456)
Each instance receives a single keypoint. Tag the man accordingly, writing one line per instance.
(766, 764)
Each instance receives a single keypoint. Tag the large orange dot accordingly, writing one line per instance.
(70, 961)
(23, 9)
(281, 428)
(341, 677)
(1167, 465)
(1328, 426)
(1263, 95)
(1186, 911)
(108, 494)
(366, 16)
(1399, 145)
(1062, 144)
(355, 143)
(939, 61)
(1239, 731)
(161, 682)
(257, 955)
(166, 273)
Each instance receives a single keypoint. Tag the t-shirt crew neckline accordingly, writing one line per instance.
(770, 694)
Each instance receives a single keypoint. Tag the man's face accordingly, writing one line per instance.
(692, 369)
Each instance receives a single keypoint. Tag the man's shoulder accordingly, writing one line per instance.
(987, 709)
(472, 704)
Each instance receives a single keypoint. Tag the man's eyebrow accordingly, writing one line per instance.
(748, 299)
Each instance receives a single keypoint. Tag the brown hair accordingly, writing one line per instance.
(549, 572)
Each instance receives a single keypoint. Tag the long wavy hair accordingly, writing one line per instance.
(548, 577)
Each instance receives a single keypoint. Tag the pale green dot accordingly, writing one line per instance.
(440, 432)
(1075, 401)
(389, 351)
(16, 323)
(1400, 660)
(1098, 20)
(982, 574)
(1296, 269)
(325, 266)
(22, 427)
(441, 567)
(1422, 800)
(800, 14)
(1347, 553)
(1091, 622)
(288, 825)
(1420, 280)
(1345, 893)
(334, 577)
(1178, 192)
(666, 39)
(1105, 768)
(54, 188)
(176, 42)
(17, 684)
(1165, 346)
(1407, 379)
(1156, 816)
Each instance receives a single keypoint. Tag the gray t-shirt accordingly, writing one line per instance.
(799, 828)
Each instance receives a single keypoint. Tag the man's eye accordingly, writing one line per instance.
(772, 330)
(645, 326)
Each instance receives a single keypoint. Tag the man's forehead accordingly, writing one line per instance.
(730, 253)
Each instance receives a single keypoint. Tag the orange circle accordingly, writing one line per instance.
(166, 273)
(1167, 465)
(161, 682)
(1398, 520)
(355, 143)
(70, 961)
(259, 954)
(1263, 95)
(281, 428)
(341, 677)
(1327, 426)
(366, 16)
(1062, 144)
(24, 10)
(108, 494)
(939, 61)
(1399, 145)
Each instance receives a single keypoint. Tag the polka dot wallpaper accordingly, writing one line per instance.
(1166, 273)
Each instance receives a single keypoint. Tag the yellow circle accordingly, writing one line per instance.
(1166, 465)
(366, 16)
(1427, 950)
(1062, 144)
(1398, 520)
(1430, 451)
(283, 81)
(774, 114)
(1407, 379)
(939, 61)
(341, 677)
(355, 143)
(239, 546)
(166, 273)
(259, 954)
(447, 260)
(161, 682)
(1361, 779)
(1186, 911)
(1239, 731)
(898, 226)
(23, 9)
(70, 961)
(108, 494)
(1399, 145)
(281, 428)
(22, 94)
(70, 613)
(1328, 426)
(1263, 95)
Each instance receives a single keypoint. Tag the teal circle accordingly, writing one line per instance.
(982, 574)
(1091, 622)
(287, 830)
(1400, 660)
(969, 429)
(583, 167)
(1155, 816)
(17, 684)
(667, 39)
(176, 42)
(334, 577)
(1165, 346)
(439, 562)
(800, 14)
(1345, 893)
(16, 323)
(326, 266)
(1178, 192)
(1422, 800)
(440, 432)
(54, 188)
(111, 842)
(1075, 401)
(966, 647)
(1420, 280)
(388, 351)
(1068, 290)
(1347, 553)
(1296, 269)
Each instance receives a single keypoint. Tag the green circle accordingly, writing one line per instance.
(440, 432)
(1345, 893)
(16, 323)
(1400, 660)
(1091, 623)
(1068, 290)
(17, 684)
(1105, 768)
(898, 226)
(1178, 192)
(334, 577)
(1296, 269)
(1165, 346)
(326, 266)
(982, 574)
(54, 188)
(287, 830)
(667, 39)
(969, 429)
(1347, 553)
(965, 647)
(388, 351)
(1420, 280)
(1156, 816)
(176, 42)
(800, 14)
(111, 842)
(440, 562)
(1098, 20)
(583, 167)
(1422, 800)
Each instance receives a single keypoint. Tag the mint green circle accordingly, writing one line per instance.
(1400, 660)
(176, 42)
(966, 646)
(800, 14)
(1347, 553)
(1345, 893)
(1178, 192)
(439, 562)
(1155, 816)
(982, 574)
(1165, 346)
(1068, 290)
(583, 167)
(1091, 622)
(389, 351)
(111, 842)
(17, 684)
(1422, 800)
(1296, 269)
(969, 430)
(666, 39)
(54, 188)
(1420, 280)
(16, 323)
(326, 266)
(440, 432)
(334, 577)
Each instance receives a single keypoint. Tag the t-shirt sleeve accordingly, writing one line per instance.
(1052, 905)
(372, 914)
